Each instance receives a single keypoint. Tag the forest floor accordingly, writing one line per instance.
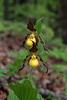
(47, 83)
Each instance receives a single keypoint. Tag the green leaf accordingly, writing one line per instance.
(12, 96)
(36, 78)
(40, 48)
(10, 65)
(39, 97)
(1, 75)
(2, 71)
(38, 26)
(13, 54)
(42, 37)
(65, 79)
(32, 83)
(24, 91)
(23, 53)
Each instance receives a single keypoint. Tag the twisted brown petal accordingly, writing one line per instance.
(46, 49)
(45, 66)
(40, 39)
(22, 66)
(43, 62)
(34, 48)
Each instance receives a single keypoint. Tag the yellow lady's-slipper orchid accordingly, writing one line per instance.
(30, 39)
(33, 61)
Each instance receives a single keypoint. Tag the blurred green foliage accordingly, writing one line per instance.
(58, 42)
(48, 33)
(59, 49)
(59, 53)
(60, 67)
(16, 27)
(18, 14)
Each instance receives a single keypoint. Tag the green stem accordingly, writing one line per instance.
(31, 73)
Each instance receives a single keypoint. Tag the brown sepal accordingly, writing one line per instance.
(30, 26)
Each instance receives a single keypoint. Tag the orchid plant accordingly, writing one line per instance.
(26, 89)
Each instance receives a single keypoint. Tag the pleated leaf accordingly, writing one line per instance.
(12, 96)
(24, 91)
